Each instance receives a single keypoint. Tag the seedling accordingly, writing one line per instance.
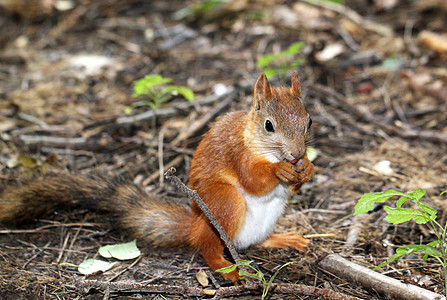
(257, 275)
(281, 62)
(424, 215)
(155, 90)
(198, 9)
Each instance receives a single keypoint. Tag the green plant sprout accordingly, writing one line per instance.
(281, 62)
(424, 215)
(200, 8)
(153, 87)
(258, 275)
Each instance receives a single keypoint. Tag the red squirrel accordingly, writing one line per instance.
(244, 169)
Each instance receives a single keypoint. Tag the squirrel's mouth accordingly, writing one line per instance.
(293, 161)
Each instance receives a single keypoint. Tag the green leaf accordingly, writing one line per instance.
(433, 244)
(228, 269)
(392, 258)
(265, 60)
(182, 90)
(402, 251)
(91, 266)
(367, 201)
(128, 110)
(257, 275)
(402, 200)
(270, 72)
(427, 209)
(296, 63)
(120, 251)
(417, 194)
(144, 85)
(244, 262)
(401, 215)
(294, 48)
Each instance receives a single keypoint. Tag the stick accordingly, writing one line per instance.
(390, 287)
(200, 123)
(170, 164)
(42, 228)
(193, 194)
(125, 269)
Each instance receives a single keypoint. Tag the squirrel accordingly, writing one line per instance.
(244, 169)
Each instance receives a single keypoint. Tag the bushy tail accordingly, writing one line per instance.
(156, 222)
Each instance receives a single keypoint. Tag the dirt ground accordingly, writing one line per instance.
(374, 80)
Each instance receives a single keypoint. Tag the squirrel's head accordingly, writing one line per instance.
(281, 122)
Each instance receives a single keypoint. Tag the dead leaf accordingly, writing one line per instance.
(202, 278)
(330, 51)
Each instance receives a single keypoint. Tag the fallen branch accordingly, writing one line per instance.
(390, 287)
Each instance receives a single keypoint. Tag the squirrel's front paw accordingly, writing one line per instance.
(300, 172)
(307, 170)
(288, 172)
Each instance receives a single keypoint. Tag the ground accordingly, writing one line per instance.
(373, 78)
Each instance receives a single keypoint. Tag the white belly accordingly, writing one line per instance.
(261, 216)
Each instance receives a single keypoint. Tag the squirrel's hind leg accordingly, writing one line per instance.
(284, 240)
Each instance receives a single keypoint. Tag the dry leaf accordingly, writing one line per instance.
(202, 278)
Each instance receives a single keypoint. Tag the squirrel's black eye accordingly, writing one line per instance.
(310, 123)
(269, 126)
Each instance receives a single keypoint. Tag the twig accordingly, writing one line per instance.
(120, 40)
(200, 123)
(37, 139)
(39, 229)
(161, 168)
(125, 269)
(390, 287)
(170, 164)
(32, 119)
(62, 249)
(36, 255)
(193, 194)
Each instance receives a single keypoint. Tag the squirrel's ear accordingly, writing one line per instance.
(296, 85)
(263, 91)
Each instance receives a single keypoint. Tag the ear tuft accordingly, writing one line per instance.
(262, 92)
(296, 85)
